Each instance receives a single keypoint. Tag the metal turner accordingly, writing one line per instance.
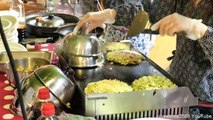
(140, 24)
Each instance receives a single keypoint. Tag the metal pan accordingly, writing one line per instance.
(63, 31)
(20, 54)
(39, 30)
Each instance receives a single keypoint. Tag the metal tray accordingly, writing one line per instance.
(23, 54)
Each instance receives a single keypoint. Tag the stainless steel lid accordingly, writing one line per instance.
(82, 45)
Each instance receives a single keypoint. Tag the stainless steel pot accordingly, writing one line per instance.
(82, 45)
(50, 76)
(82, 50)
(84, 61)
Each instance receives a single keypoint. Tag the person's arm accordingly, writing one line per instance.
(207, 85)
(157, 9)
(206, 41)
(122, 14)
(125, 10)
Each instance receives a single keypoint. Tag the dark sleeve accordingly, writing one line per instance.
(126, 10)
(207, 41)
(125, 14)
(207, 83)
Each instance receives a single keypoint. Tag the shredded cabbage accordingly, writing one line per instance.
(152, 82)
(107, 86)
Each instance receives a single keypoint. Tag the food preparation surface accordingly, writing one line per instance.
(101, 105)
(125, 73)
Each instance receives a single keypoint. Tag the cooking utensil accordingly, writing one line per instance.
(23, 54)
(78, 95)
(39, 29)
(47, 21)
(24, 67)
(82, 50)
(61, 88)
(66, 29)
(80, 61)
(84, 61)
(82, 45)
(140, 24)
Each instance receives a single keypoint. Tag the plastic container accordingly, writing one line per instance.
(48, 112)
(43, 97)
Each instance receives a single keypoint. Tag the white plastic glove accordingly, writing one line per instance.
(176, 23)
(95, 19)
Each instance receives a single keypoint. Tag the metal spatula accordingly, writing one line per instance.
(138, 24)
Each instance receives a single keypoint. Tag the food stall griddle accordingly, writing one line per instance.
(113, 71)
(129, 105)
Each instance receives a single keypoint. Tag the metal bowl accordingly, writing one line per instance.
(77, 60)
(82, 45)
(84, 61)
(50, 76)
(24, 67)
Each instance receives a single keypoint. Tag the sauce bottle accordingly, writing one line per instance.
(48, 112)
(43, 97)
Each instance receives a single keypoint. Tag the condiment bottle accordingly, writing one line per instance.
(50, 6)
(43, 97)
(48, 112)
(18, 7)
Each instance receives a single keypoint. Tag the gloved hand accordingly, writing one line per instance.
(95, 19)
(176, 23)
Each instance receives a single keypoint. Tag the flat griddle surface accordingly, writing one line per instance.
(124, 73)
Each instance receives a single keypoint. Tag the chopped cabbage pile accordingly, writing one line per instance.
(107, 86)
(152, 82)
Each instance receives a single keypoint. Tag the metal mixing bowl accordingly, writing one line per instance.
(50, 76)
(24, 67)
(82, 45)
(84, 61)
(82, 50)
